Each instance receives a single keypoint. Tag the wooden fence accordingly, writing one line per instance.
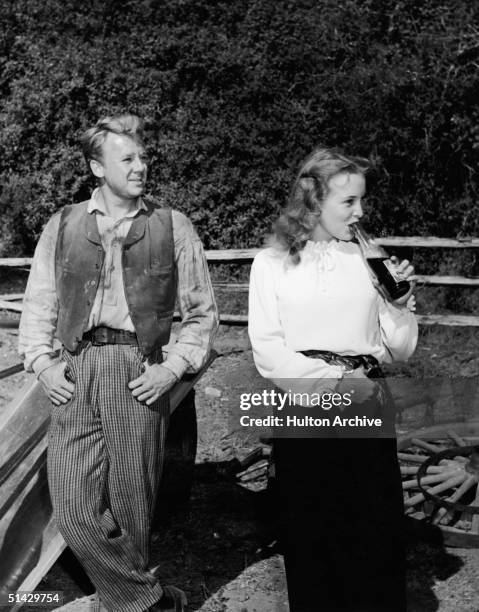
(245, 256)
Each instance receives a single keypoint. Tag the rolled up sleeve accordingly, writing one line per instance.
(40, 304)
(196, 301)
(399, 330)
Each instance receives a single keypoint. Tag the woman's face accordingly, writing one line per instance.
(340, 207)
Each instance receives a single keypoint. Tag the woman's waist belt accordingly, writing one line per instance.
(351, 362)
(108, 335)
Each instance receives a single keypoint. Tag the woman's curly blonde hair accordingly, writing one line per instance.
(302, 213)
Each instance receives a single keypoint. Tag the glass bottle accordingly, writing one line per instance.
(379, 262)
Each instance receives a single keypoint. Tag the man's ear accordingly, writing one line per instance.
(97, 168)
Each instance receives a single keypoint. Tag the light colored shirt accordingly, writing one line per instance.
(325, 302)
(110, 307)
(194, 293)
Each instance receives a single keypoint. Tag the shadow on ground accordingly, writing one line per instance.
(226, 530)
(428, 562)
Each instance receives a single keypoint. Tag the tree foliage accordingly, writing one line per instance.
(234, 95)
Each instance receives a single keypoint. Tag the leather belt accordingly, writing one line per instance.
(107, 335)
(368, 362)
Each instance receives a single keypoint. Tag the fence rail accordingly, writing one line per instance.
(241, 255)
(245, 256)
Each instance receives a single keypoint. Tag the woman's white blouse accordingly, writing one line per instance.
(325, 302)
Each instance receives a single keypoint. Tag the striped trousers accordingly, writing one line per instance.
(105, 456)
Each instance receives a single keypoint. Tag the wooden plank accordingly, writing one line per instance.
(428, 242)
(451, 281)
(451, 320)
(221, 255)
(11, 370)
(22, 425)
(53, 546)
(231, 286)
(422, 279)
(12, 296)
(241, 255)
(7, 305)
(9, 323)
(231, 255)
(25, 471)
(15, 262)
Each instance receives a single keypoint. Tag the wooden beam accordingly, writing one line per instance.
(230, 255)
(422, 279)
(12, 296)
(7, 305)
(448, 319)
(242, 255)
(429, 242)
(450, 281)
(453, 320)
(231, 286)
(15, 262)
(7, 323)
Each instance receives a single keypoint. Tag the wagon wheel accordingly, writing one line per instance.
(440, 473)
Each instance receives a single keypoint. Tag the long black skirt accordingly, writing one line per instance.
(340, 506)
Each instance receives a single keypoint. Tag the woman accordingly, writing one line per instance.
(316, 318)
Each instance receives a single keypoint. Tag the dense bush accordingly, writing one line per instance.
(235, 94)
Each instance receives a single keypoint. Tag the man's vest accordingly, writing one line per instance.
(149, 274)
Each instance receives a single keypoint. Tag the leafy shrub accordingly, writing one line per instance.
(235, 94)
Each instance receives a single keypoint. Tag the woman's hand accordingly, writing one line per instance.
(357, 383)
(404, 270)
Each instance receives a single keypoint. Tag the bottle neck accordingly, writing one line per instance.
(368, 246)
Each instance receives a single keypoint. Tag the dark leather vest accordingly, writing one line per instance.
(149, 273)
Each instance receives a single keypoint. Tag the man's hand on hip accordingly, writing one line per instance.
(58, 389)
(152, 384)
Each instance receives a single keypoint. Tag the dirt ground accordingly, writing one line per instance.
(222, 548)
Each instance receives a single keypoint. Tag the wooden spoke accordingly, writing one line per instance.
(407, 470)
(412, 484)
(453, 479)
(457, 439)
(449, 484)
(412, 458)
(445, 515)
(431, 448)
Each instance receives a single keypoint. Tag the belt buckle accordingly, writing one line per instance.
(95, 340)
(99, 336)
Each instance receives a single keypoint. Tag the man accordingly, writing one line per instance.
(104, 280)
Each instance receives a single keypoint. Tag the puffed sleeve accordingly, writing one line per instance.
(273, 358)
(399, 331)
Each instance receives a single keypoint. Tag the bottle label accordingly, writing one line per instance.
(392, 270)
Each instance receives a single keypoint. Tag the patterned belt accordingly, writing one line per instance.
(368, 362)
(107, 335)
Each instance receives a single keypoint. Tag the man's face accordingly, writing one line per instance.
(122, 167)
